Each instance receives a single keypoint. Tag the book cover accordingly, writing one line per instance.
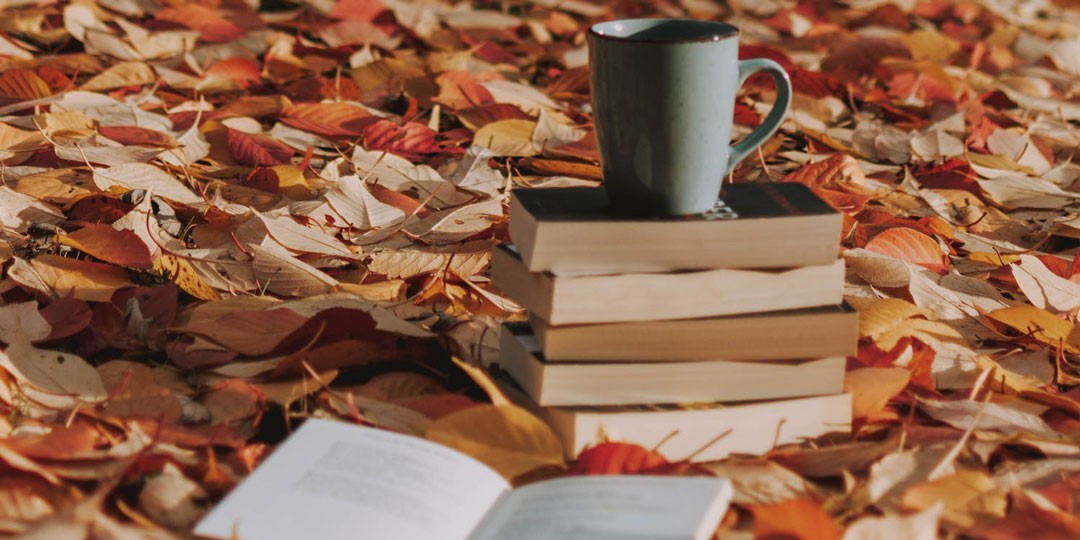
(758, 225)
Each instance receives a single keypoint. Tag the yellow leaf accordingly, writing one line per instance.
(180, 272)
(291, 182)
(507, 137)
(509, 439)
(996, 259)
(1040, 325)
(930, 45)
(880, 316)
(121, 75)
(391, 290)
(969, 496)
(57, 186)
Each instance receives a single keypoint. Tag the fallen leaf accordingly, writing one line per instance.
(508, 439)
(802, 519)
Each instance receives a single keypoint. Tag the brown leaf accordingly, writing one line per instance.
(81, 279)
(134, 135)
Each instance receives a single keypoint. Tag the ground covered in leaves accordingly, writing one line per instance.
(222, 216)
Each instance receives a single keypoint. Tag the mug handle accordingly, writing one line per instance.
(772, 122)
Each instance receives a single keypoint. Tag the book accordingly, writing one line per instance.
(691, 431)
(333, 480)
(783, 335)
(618, 383)
(570, 298)
(759, 225)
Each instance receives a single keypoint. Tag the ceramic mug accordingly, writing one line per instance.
(663, 96)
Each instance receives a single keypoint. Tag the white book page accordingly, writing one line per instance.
(610, 508)
(332, 480)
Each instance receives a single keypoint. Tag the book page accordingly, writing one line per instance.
(334, 480)
(610, 508)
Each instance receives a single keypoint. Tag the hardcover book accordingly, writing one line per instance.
(759, 225)
(332, 480)
(571, 298)
(614, 383)
(782, 335)
(702, 432)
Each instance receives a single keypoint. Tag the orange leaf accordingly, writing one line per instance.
(871, 389)
(834, 170)
(258, 150)
(617, 458)
(238, 69)
(794, 519)
(911, 246)
(23, 84)
(461, 90)
(120, 247)
(328, 119)
(133, 135)
(205, 21)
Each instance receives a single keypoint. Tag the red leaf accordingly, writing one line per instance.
(67, 316)
(410, 141)
(99, 208)
(920, 363)
(133, 135)
(328, 119)
(794, 519)
(238, 69)
(121, 247)
(205, 21)
(258, 150)
(617, 458)
(911, 246)
(364, 10)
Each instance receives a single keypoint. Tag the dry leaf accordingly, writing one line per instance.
(506, 438)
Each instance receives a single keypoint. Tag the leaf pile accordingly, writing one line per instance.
(221, 216)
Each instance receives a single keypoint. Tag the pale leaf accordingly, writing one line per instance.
(1044, 288)
(148, 178)
(299, 238)
(1015, 191)
(61, 374)
(281, 273)
(352, 201)
(465, 260)
(23, 317)
(965, 413)
(918, 526)
(18, 211)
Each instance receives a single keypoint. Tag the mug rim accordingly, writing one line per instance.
(723, 31)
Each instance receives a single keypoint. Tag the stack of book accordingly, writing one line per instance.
(710, 334)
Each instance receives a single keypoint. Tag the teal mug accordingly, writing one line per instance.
(663, 97)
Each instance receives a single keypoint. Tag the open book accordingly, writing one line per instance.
(334, 480)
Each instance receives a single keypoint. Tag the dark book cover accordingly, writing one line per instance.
(737, 201)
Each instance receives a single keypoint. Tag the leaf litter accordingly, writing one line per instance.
(220, 219)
